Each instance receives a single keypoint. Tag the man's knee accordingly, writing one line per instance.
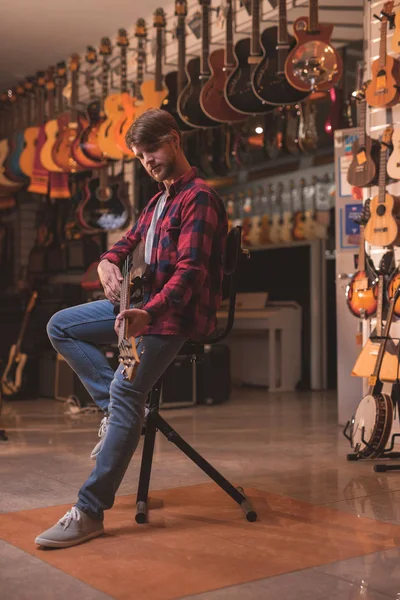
(54, 326)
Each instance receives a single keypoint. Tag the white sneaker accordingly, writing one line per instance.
(73, 528)
(103, 431)
(102, 434)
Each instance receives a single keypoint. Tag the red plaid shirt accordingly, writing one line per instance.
(183, 289)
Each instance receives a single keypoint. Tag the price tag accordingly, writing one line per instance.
(361, 157)
(372, 380)
(361, 284)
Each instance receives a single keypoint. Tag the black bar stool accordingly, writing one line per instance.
(155, 422)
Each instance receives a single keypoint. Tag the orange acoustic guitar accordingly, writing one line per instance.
(31, 133)
(55, 105)
(313, 64)
(153, 91)
(362, 291)
(126, 101)
(382, 90)
(382, 227)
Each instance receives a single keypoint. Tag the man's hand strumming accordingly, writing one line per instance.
(110, 277)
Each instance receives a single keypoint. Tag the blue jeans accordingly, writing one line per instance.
(76, 333)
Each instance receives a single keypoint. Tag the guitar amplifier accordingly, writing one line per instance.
(179, 387)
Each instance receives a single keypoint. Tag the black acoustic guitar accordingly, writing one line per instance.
(198, 73)
(175, 81)
(239, 90)
(269, 80)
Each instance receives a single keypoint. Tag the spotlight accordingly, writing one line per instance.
(259, 129)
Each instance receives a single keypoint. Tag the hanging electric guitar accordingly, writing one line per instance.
(238, 89)
(153, 91)
(55, 106)
(269, 80)
(382, 227)
(313, 64)
(373, 420)
(363, 168)
(198, 73)
(383, 89)
(12, 378)
(222, 63)
(362, 291)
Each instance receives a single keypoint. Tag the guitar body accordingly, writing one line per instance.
(255, 231)
(269, 85)
(362, 295)
(363, 169)
(121, 129)
(393, 165)
(309, 226)
(170, 103)
(392, 285)
(382, 228)
(382, 90)
(105, 208)
(238, 89)
(28, 153)
(286, 228)
(89, 136)
(372, 424)
(107, 131)
(299, 233)
(212, 98)
(46, 153)
(68, 133)
(274, 232)
(11, 380)
(265, 229)
(301, 59)
(12, 162)
(152, 98)
(189, 107)
(80, 156)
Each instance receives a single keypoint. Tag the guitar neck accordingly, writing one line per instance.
(59, 97)
(313, 16)
(205, 46)
(385, 335)
(125, 298)
(74, 96)
(104, 83)
(362, 123)
(25, 323)
(181, 54)
(140, 69)
(124, 85)
(158, 71)
(361, 251)
(382, 174)
(283, 38)
(255, 47)
(383, 45)
(229, 54)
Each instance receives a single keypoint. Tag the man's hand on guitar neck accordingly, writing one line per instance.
(111, 278)
(137, 321)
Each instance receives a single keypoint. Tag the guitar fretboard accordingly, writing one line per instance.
(141, 56)
(362, 122)
(205, 46)
(158, 71)
(255, 47)
(283, 38)
(124, 86)
(382, 173)
(313, 16)
(383, 45)
(229, 55)
(181, 54)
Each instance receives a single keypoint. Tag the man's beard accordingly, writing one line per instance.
(164, 171)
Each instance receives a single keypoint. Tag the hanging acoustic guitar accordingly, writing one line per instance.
(363, 168)
(382, 227)
(313, 64)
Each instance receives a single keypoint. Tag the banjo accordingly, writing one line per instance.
(372, 422)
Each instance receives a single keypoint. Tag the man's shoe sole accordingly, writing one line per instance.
(58, 544)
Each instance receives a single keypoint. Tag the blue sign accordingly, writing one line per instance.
(353, 214)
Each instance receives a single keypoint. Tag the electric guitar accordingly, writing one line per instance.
(382, 227)
(269, 80)
(153, 91)
(313, 64)
(198, 73)
(11, 380)
(238, 89)
(363, 169)
(383, 90)
(222, 63)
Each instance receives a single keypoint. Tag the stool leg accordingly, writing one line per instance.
(147, 457)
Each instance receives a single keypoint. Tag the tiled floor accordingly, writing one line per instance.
(287, 444)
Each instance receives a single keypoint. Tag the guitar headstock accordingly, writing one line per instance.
(74, 63)
(50, 79)
(141, 29)
(159, 18)
(386, 11)
(29, 83)
(41, 79)
(180, 8)
(61, 69)
(91, 55)
(365, 212)
(205, 2)
(122, 38)
(20, 89)
(105, 48)
(387, 137)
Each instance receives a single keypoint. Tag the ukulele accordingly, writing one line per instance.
(299, 233)
(362, 291)
(269, 80)
(153, 91)
(30, 134)
(308, 134)
(363, 170)
(12, 378)
(175, 81)
(382, 90)
(70, 126)
(382, 226)
(198, 73)
(55, 106)
(238, 89)
(222, 63)
(313, 64)
(372, 422)
(89, 138)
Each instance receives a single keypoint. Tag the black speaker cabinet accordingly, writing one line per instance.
(67, 384)
(179, 384)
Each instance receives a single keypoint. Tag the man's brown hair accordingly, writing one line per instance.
(152, 128)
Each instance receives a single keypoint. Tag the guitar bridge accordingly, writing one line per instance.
(380, 229)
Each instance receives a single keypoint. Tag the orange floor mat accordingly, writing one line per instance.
(198, 540)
